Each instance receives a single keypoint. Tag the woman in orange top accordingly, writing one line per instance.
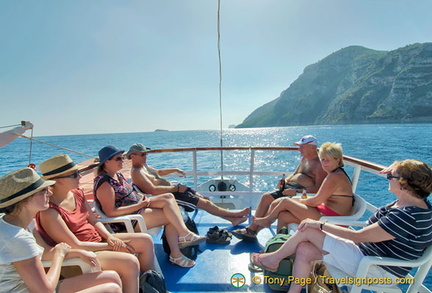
(69, 219)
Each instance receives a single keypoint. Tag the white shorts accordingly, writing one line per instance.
(345, 255)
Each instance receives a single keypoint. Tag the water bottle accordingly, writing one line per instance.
(282, 183)
(304, 194)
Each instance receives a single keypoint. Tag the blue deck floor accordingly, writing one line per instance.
(216, 264)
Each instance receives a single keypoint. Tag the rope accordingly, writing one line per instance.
(56, 146)
(220, 81)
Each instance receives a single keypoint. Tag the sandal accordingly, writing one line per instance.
(213, 233)
(182, 261)
(194, 239)
(245, 234)
(219, 237)
(213, 230)
(255, 260)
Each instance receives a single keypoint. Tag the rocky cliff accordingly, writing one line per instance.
(356, 85)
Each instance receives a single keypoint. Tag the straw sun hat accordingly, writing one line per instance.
(19, 185)
(57, 166)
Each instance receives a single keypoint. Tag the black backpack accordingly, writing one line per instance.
(190, 251)
(152, 282)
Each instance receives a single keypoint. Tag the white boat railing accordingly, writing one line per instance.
(253, 194)
(359, 166)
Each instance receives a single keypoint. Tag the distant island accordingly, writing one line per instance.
(355, 85)
(156, 130)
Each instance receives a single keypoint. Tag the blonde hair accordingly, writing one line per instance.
(415, 176)
(332, 150)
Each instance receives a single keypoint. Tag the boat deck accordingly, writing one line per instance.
(216, 264)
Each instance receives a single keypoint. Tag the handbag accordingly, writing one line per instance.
(152, 282)
(189, 251)
(320, 284)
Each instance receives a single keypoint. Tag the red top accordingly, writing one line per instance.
(76, 220)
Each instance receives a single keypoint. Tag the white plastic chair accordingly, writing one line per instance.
(423, 263)
(127, 221)
(357, 211)
(85, 267)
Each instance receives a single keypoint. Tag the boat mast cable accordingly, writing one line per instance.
(56, 146)
(220, 84)
(31, 147)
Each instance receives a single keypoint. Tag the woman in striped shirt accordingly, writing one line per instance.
(401, 230)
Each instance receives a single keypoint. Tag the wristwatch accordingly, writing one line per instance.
(322, 225)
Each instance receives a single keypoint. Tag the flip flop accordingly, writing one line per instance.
(254, 268)
(245, 234)
(255, 259)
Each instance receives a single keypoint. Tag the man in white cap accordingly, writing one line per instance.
(309, 176)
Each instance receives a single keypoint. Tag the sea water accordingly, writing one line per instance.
(380, 144)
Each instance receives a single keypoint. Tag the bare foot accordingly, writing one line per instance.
(263, 261)
(261, 222)
(237, 221)
(245, 211)
(240, 214)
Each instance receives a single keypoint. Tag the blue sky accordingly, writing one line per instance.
(103, 66)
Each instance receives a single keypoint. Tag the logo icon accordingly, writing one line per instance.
(238, 280)
(256, 280)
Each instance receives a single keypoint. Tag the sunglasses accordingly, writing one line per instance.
(390, 177)
(118, 159)
(74, 175)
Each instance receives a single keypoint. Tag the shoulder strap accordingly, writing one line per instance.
(343, 170)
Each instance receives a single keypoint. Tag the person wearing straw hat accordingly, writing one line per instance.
(69, 219)
(23, 194)
(115, 196)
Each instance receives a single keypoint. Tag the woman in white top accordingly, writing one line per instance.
(22, 195)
